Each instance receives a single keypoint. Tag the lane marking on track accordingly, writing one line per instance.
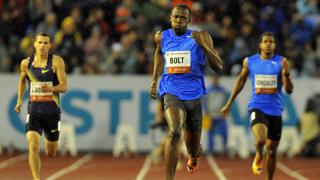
(145, 168)
(215, 168)
(71, 168)
(13, 160)
(290, 172)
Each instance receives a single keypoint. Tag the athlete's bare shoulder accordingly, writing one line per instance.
(56, 58)
(284, 60)
(58, 63)
(245, 62)
(245, 68)
(24, 63)
(158, 37)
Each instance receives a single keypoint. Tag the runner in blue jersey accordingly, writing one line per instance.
(46, 78)
(180, 57)
(268, 73)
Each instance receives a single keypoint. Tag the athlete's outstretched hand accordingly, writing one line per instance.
(153, 90)
(226, 110)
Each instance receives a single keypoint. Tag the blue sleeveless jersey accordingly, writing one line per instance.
(42, 103)
(184, 63)
(266, 84)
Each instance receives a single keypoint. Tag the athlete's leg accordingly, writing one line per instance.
(193, 127)
(192, 140)
(51, 148)
(175, 118)
(52, 132)
(274, 136)
(260, 135)
(33, 139)
(192, 132)
(271, 157)
(259, 131)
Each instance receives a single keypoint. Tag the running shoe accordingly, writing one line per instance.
(192, 164)
(257, 167)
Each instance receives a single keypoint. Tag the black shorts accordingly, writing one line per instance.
(192, 108)
(49, 124)
(274, 123)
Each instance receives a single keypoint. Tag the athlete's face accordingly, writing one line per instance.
(180, 18)
(267, 44)
(42, 44)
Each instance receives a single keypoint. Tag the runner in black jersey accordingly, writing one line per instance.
(46, 78)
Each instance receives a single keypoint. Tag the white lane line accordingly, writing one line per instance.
(71, 168)
(13, 160)
(290, 172)
(145, 168)
(214, 166)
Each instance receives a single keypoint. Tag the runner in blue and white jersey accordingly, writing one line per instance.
(180, 57)
(268, 73)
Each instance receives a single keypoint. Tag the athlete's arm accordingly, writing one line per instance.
(204, 40)
(59, 68)
(157, 67)
(242, 78)
(286, 80)
(22, 83)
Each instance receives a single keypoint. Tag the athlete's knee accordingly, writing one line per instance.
(260, 142)
(34, 147)
(175, 135)
(272, 152)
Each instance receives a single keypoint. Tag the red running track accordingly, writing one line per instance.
(105, 167)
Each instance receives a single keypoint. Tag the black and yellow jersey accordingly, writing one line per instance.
(41, 102)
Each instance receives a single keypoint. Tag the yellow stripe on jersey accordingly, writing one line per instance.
(56, 100)
(31, 76)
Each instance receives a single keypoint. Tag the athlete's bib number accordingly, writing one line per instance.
(265, 84)
(37, 95)
(178, 62)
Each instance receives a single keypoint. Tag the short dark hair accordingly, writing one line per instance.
(182, 6)
(44, 34)
(267, 33)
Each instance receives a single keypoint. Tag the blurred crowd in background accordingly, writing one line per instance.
(117, 36)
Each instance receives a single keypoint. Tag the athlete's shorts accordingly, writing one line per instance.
(192, 108)
(49, 124)
(274, 123)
